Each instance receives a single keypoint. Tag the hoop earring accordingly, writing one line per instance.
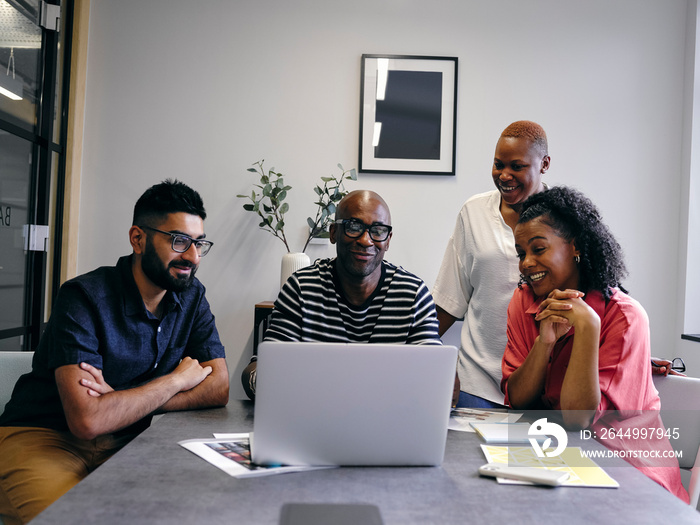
(577, 258)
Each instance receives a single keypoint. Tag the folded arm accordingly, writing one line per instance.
(212, 392)
(93, 408)
(526, 383)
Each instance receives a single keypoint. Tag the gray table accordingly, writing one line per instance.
(153, 480)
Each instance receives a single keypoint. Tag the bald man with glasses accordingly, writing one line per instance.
(356, 297)
(123, 342)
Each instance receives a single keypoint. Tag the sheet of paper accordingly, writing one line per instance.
(460, 418)
(583, 471)
(503, 432)
(232, 455)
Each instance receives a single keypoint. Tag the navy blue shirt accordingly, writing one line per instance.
(100, 318)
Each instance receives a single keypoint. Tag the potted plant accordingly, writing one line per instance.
(267, 200)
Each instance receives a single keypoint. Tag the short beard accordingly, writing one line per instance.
(154, 269)
(360, 271)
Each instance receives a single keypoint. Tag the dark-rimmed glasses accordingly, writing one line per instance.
(677, 364)
(181, 242)
(354, 228)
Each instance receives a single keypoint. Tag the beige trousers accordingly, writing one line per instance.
(39, 465)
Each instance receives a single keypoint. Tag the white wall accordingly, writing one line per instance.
(201, 90)
(688, 319)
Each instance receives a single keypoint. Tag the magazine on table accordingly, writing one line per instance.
(231, 453)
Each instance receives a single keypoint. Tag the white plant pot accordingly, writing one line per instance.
(291, 262)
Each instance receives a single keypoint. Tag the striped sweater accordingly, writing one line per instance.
(310, 307)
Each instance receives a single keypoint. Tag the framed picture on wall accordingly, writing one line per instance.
(408, 114)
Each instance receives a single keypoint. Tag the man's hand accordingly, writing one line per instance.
(96, 386)
(190, 373)
(201, 385)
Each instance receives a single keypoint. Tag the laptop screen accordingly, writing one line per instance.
(352, 404)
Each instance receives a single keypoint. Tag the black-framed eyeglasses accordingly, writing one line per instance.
(677, 364)
(181, 242)
(354, 228)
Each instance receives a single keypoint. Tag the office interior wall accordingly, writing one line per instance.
(74, 139)
(688, 320)
(200, 91)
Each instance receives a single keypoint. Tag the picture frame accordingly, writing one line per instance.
(408, 114)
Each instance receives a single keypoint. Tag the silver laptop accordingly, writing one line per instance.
(352, 404)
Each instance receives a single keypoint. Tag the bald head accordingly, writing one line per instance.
(365, 200)
(359, 253)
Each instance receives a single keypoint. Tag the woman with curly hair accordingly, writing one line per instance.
(577, 343)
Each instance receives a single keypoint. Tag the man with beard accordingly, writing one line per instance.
(123, 342)
(356, 297)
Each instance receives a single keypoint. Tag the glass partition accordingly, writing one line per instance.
(20, 55)
(15, 177)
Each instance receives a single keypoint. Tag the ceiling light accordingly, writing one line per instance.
(9, 85)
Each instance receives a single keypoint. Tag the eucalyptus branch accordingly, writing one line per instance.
(269, 203)
(329, 195)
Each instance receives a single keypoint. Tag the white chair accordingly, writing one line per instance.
(680, 408)
(12, 365)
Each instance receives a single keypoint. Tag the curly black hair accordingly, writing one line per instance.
(574, 217)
